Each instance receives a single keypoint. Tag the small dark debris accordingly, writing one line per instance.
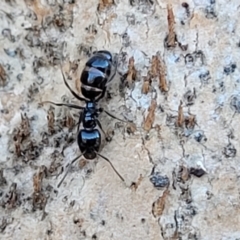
(3, 180)
(49, 232)
(193, 236)
(189, 97)
(229, 151)
(230, 68)
(94, 236)
(189, 60)
(76, 220)
(32, 15)
(235, 103)
(200, 55)
(198, 172)
(210, 12)
(4, 222)
(159, 181)
(185, 5)
(49, 188)
(3, 76)
(126, 40)
(19, 77)
(32, 90)
(72, 203)
(7, 34)
(199, 136)
(4, 111)
(209, 195)
(38, 63)
(11, 198)
(192, 210)
(205, 76)
(183, 47)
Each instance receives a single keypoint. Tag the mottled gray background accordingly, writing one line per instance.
(92, 202)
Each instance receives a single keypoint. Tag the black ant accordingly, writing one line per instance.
(94, 80)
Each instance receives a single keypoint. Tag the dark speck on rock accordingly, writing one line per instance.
(158, 180)
(198, 172)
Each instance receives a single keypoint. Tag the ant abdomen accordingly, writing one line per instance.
(96, 75)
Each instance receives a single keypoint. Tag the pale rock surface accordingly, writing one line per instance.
(92, 202)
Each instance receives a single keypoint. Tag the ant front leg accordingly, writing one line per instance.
(112, 77)
(102, 95)
(73, 93)
(111, 115)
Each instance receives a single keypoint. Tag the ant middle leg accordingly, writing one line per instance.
(114, 74)
(106, 159)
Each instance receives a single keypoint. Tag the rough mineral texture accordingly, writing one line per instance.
(178, 84)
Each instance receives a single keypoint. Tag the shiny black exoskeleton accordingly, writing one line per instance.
(94, 79)
(96, 75)
(89, 142)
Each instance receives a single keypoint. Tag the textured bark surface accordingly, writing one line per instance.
(178, 81)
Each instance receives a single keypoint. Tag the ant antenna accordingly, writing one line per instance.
(111, 165)
(68, 168)
(64, 104)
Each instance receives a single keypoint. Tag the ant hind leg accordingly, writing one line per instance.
(106, 159)
(68, 168)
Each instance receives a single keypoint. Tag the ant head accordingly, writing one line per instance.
(89, 142)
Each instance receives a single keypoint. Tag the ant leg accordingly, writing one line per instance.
(73, 93)
(112, 77)
(111, 115)
(111, 165)
(102, 95)
(63, 104)
(100, 126)
(115, 71)
(78, 124)
(80, 120)
(68, 165)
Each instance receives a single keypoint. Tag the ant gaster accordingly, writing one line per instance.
(94, 80)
